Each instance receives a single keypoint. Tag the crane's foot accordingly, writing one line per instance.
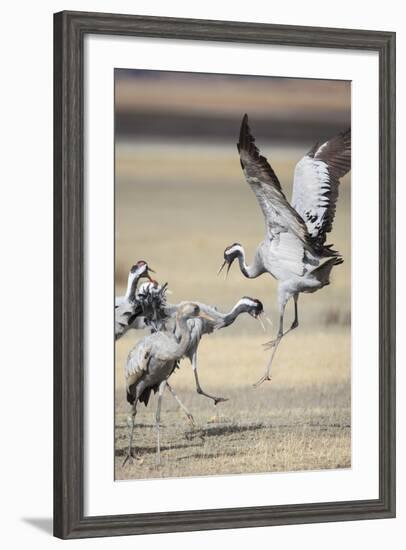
(269, 345)
(215, 399)
(130, 456)
(264, 378)
(219, 400)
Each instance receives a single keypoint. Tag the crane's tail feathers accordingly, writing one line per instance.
(326, 251)
(322, 273)
(146, 394)
(144, 397)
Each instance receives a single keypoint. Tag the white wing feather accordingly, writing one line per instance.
(316, 181)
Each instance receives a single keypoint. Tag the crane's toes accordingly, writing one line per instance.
(220, 400)
(129, 457)
(269, 345)
(264, 378)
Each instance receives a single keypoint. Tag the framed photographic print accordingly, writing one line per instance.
(224, 275)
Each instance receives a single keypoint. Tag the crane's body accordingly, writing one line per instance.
(294, 250)
(152, 361)
(296, 268)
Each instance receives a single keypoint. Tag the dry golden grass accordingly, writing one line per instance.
(299, 421)
(178, 207)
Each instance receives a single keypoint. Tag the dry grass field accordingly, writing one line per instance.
(178, 206)
(301, 420)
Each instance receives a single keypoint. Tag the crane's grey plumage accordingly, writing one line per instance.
(127, 307)
(145, 311)
(152, 361)
(294, 250)
(199, 326)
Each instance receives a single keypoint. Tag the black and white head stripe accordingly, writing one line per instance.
(233, 250)
(316, 180)
(251, 303)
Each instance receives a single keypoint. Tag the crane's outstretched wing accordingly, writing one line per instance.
(280, 217)
(124, 316)
(315, 187)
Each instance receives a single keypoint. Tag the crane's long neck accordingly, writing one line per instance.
(132, 284)
(253, 270)
(182, 331)
(232, 315)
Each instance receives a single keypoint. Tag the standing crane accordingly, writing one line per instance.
(294, 250)
(146, 311)
(127, 307)
(150, 364)
(216, 320)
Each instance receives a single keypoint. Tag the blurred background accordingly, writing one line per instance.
(181, 198)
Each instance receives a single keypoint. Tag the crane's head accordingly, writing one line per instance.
(230, 254)
(141, 269)
(252, 306)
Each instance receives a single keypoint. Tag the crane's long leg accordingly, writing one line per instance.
(158, 419)
(199, 388)
(181, 405)
(129, 456)
(294, 325)
(267, 375)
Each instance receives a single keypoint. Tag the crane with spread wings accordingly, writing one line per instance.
(294, 250)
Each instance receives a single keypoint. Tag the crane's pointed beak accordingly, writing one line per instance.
(221, 268)
(203, 315)
(267, 319)
(261, 322)
(228, 269)
(148, 275)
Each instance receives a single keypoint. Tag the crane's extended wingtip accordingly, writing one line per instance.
(244, 133)
(345, 137)
(244, 129)
(347, 133)
(244, 121)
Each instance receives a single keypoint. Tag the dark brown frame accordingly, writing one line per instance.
(69, 31)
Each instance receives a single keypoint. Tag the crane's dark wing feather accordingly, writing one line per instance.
(279, 215)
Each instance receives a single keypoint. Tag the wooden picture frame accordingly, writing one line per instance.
(70, 29)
